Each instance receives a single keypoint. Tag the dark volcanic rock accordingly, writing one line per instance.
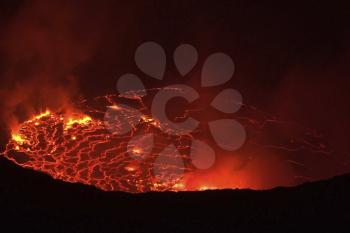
(34, 202)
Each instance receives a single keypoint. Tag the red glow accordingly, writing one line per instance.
(79, 148)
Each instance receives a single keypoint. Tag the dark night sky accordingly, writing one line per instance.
(292, 58)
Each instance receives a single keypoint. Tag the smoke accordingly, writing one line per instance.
(43, 44)
(292, 66)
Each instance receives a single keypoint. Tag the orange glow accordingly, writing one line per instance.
(115, 107)
(151, 121)
(206, 187)
(179, 186)
(45, 114)
(18, 139)
(137, 150)
(147, 119)
(80, 149)
(80, 121)
(113, 162)
(130, 168)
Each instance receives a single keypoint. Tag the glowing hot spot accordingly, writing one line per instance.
(206, 187)
(45, 114)
(18, 138)
(79, 121)
(80, 148)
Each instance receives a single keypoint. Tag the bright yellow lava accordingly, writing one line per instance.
(147, 119)
(150, 120)
(44, 114)
(18, 138)
(80, 121)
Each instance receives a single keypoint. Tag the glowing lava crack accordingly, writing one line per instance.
(80, 149)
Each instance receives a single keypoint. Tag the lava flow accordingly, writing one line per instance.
(80, 148)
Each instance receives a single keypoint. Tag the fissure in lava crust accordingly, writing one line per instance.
(79, 148)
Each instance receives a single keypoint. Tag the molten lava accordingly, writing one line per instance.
(79, 148)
